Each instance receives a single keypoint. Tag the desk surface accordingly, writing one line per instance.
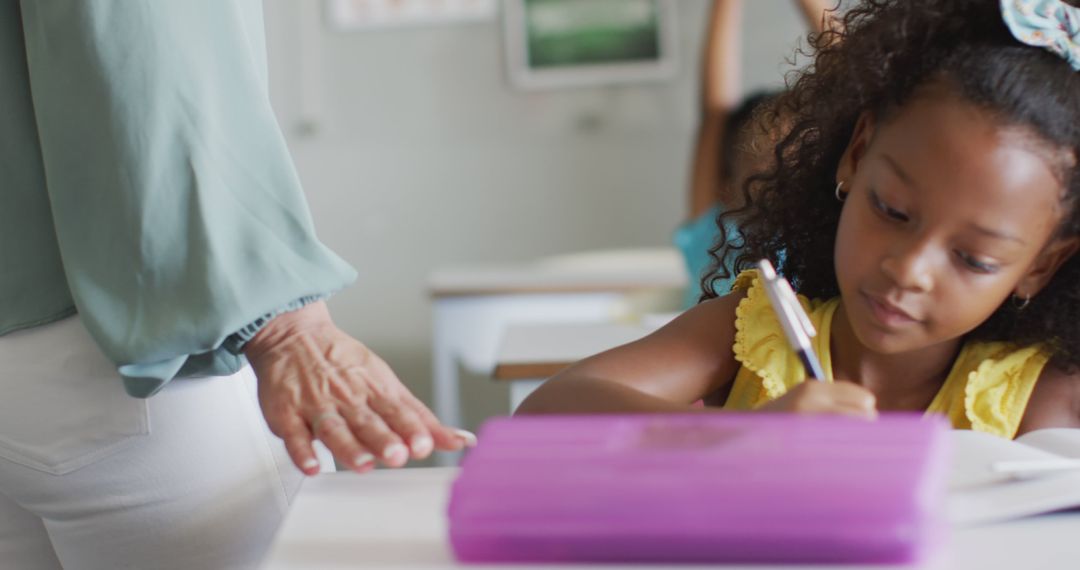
(397, 520)
(618, 271)
(530, 351)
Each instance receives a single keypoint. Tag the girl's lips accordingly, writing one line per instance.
(888, 314)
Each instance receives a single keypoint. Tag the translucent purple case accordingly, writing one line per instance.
(702, 488)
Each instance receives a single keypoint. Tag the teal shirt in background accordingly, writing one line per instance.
(694, 239)
(145, 184)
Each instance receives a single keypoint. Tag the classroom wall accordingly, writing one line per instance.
(415, 153)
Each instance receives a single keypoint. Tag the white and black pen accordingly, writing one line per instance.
(796, 324)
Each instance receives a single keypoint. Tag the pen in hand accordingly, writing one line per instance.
(1023, 469)
(796, 324)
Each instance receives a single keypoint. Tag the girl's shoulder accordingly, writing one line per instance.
(703, 327)
(1055, 400)
(687, 349)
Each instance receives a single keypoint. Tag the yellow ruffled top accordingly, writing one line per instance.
(987, 389)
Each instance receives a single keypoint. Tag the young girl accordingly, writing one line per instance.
(926, 201)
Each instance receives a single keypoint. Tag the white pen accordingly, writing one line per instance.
(1032, 467)
(796, 324)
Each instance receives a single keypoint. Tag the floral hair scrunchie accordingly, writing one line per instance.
(1050, 24)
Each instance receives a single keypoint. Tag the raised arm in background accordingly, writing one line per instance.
(721, 91)
(820, 14)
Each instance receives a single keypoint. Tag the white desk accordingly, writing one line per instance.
(530, 353)
(397, 520)
(472, 305)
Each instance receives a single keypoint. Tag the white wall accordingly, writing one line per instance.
(415, 153)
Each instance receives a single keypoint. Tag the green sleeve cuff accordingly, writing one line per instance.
(235, 342)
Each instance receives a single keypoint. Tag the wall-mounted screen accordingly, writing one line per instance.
(563, 43)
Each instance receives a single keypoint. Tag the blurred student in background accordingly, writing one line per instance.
(731, 143)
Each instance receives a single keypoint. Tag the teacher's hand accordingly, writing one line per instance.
(316, 382)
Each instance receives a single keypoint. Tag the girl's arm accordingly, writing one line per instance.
(666, 371)
(820, 14)
(1054, 403)
(721, 69)
(683, 362)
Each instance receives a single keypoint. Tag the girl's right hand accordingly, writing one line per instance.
(813, 397)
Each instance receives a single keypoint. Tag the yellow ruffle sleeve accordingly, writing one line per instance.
(769, 367)
(989, 387)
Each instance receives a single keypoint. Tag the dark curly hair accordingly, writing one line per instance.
(882, 53)
(737, 126)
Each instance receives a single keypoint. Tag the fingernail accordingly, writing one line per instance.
(310, 464)
(395, 454)
(363, 460)
(422, 445)
(466, 436)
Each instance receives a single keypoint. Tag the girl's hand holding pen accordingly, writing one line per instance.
(845, 398)
(815, 395)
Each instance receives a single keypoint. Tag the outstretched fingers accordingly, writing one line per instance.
(446, 438)
(333, 430)
(296, 434)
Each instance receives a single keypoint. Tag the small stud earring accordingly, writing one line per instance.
(840, 194)
(1019, 303)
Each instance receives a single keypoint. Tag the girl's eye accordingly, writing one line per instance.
(975, 265)
(887, 210)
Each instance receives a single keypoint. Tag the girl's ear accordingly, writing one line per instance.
(1053, 256)
(856, 149)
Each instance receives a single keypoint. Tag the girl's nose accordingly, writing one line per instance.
(910, 265)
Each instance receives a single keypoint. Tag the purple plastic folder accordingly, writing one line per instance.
(702, 488)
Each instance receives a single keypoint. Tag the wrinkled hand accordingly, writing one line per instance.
(316, 382)
(813, 397)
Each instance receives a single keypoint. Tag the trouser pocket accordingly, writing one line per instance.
(62, 403)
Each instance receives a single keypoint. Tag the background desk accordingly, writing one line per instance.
(397, 520)
(530, 353)
(471, 306)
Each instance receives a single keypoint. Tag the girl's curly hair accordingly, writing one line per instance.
(882, 53)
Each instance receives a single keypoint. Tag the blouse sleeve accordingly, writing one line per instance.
(1000, 380)
(179, 216)
(760, 344)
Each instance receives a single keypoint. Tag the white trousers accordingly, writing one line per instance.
(92, 479)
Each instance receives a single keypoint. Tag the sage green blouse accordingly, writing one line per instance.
(145, 184)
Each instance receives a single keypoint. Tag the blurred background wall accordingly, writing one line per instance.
(416, 153)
